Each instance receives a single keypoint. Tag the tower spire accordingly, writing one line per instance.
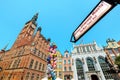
(34, 18)
(5, 47)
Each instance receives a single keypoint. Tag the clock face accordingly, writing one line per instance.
(33, 44)
(33, 26)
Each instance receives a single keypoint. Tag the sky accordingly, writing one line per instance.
(58, 19)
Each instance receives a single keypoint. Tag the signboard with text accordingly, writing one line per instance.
(98, 12)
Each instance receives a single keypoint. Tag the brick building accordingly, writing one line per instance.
(26, 60)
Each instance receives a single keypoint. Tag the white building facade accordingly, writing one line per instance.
(89, 63)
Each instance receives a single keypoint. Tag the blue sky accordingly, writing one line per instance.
(58, 19)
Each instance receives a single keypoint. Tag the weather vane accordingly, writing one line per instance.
(101, 9)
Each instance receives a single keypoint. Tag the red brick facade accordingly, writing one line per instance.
(26, 60)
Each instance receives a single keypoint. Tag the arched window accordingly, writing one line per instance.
(90, 64)
(105, 67)
(79, 67)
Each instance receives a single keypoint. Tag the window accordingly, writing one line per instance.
(94, 48)
(31, 63)
(10, 75)
(28, 30)
(60, 60)
(20, 52)
(18, 63)
(38, 53)
(1, 78)
(79, 68)
(27, 76)
(57, 66)
(0, 58)
(69, 68)
(60, 66)
(113, 58)
(40, 66)
(84, 49)
(68, 61)
(34, 50)
(64, 61)
(15, 62)
(113, 44)
(90, 64)
(78, 49)
(37, 78)
(41, 55)
(88, 49)
(31, 33)
(32, 77)
(26, 35)
(105, 68)
(44, 57)
(116, 50)
(65, 69)
(36, 65)
(43, 67)
(66, 55)
(9, 64)
(60, 73)
(110, 51)
(55, 73)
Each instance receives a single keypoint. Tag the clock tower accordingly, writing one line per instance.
(26, 60)
(26, 35)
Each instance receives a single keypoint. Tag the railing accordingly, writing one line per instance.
(91, 52)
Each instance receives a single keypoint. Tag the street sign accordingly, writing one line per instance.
(102, 8)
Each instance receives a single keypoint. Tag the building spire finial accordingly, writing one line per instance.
(5, 47)
(34, 18)
(39, 29)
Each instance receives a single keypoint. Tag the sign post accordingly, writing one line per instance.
(101, 9)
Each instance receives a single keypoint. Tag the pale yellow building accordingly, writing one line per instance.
(58, 69)
(112, 50)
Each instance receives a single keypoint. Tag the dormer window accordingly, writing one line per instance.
(66, 55)
(113, 44)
